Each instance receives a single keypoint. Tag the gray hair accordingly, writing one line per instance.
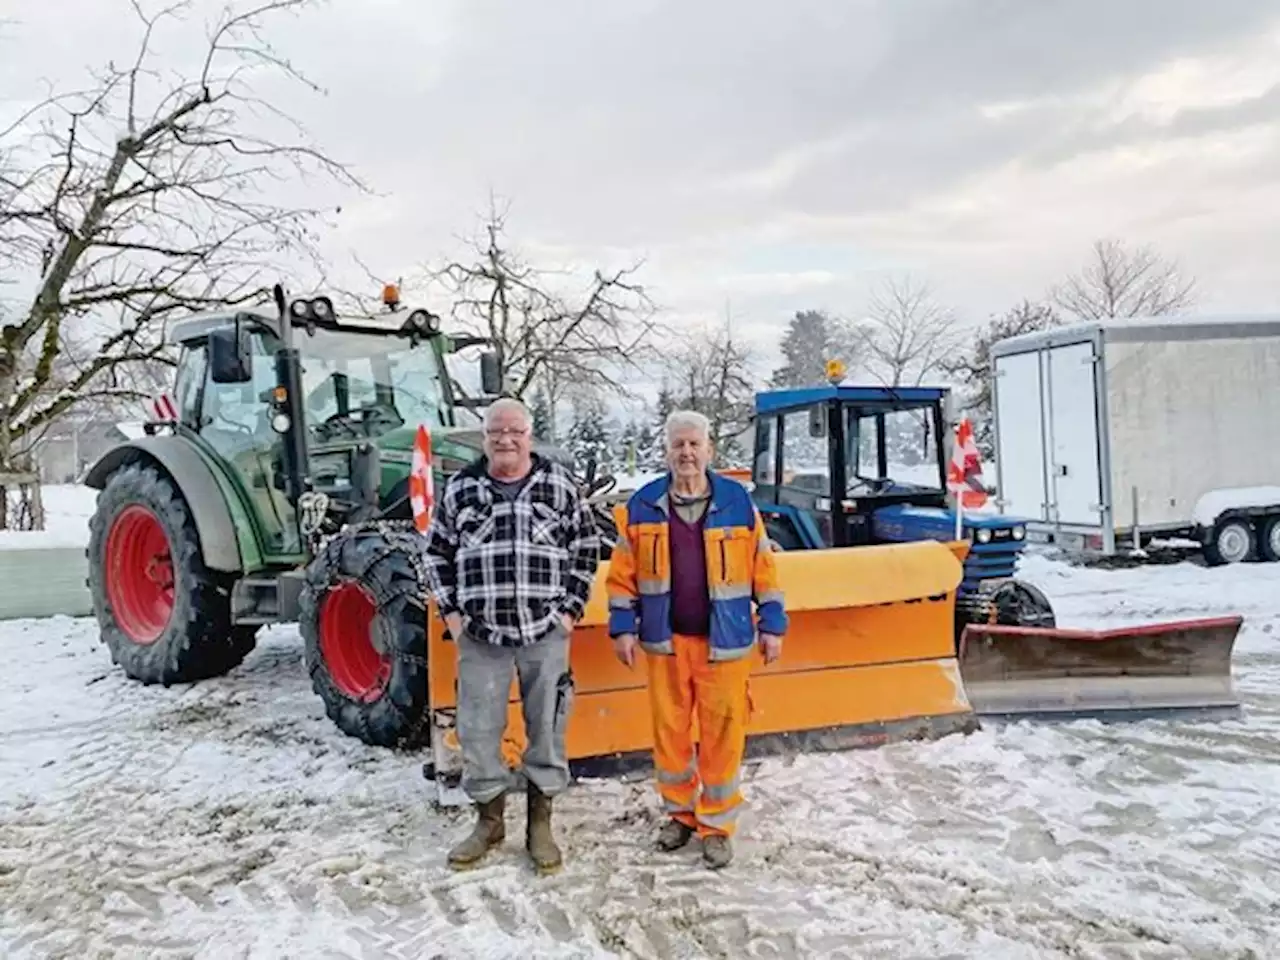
(681, 420)
(507, 403)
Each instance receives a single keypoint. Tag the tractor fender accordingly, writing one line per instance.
(199, 489)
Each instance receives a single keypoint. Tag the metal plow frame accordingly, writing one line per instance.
(869, 660)
(1127, 673)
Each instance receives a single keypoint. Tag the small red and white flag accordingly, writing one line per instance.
(163, 409)
(422, 493)
(964, 472)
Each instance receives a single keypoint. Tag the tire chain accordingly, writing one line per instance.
(389, 531)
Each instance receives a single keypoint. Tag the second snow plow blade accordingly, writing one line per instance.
(1128, 672)
(869, 659)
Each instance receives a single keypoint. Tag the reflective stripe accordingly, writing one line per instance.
(730, 591)
(721, 821)
(720, 792)
(736, 653)
(670, 806)
(622, 603)
(654, 588)
(677, 779)
(662, 648)
(769, 596)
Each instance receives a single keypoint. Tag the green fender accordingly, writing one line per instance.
(222, 523)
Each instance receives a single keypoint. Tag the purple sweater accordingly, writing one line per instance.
(690, 601)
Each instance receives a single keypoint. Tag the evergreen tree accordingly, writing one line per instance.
(540, 410)
(810, 341)
(972, 367)
(588, 437)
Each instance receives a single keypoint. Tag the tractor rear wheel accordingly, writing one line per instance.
(165, 617)
(363, 617)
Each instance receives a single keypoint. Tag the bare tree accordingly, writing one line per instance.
(591, 340)
(136, 199)
(1119, 282)
(710, 370)
(907, 335)
(972, 366)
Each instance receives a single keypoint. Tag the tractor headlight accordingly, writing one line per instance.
(280, 423)
(982, 535)
(1019, 533)
(322, 307)
(425, 321)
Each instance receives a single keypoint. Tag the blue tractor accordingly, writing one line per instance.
(847, 466)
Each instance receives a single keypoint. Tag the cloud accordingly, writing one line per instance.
(784, 155)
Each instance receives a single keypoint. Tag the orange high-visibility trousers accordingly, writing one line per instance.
(682, 687)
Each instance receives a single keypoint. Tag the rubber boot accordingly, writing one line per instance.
(540, 843)
(673, 835)
(489, 831)
(717, 851)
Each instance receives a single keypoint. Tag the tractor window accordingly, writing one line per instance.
(804, 456)
(766, 453)
(363, 384)
(187, 382)
(235, 421)
(906, 441)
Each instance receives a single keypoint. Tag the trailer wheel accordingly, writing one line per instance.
(165, 617)
(1230, 541)
(1269, 539)
(363, 619)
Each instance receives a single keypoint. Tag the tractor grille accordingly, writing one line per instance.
(990, 561)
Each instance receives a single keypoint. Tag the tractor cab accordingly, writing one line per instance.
(827, 459)
(303, 406)
(849, 466)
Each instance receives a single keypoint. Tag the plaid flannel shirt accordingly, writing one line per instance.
(511, 566)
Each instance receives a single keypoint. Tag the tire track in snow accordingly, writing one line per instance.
(230, 819)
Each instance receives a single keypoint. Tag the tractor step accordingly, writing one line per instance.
(257, 600)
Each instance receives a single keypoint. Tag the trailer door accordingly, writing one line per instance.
(1073, 462)
(1020, 440)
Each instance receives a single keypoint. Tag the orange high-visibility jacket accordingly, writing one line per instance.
(740, 571)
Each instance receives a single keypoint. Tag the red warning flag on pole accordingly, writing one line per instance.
(422, 494)
(964, 473)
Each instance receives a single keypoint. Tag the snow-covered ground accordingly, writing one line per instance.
(67, 509)
(230, 819)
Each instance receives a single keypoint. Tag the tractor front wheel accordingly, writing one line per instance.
(1020, 604)
(165, 617)
(364, 622)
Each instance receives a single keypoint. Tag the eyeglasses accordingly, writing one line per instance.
(493, 434)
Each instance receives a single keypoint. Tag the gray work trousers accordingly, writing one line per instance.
(546, 696)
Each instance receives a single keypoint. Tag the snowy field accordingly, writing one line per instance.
(67, 509)
(230, 819)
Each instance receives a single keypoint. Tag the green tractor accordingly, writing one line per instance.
(278, 491)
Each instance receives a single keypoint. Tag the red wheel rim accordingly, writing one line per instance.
(346, 643)
(139, 574)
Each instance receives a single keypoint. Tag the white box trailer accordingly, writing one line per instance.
(1110, 434)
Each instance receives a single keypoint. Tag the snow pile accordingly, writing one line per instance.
(1214, 503)
(232, 819)
(67, 509)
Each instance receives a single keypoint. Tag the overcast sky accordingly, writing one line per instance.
(782, 154)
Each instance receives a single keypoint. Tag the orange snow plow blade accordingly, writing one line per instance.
(869, 659)
(1154, 668)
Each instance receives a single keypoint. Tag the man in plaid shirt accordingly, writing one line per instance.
(512, 551)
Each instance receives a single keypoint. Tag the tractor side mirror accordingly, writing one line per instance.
(490, 373)
(818, 422)
(229, 359)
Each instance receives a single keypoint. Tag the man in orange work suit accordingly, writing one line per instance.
(691, 558)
